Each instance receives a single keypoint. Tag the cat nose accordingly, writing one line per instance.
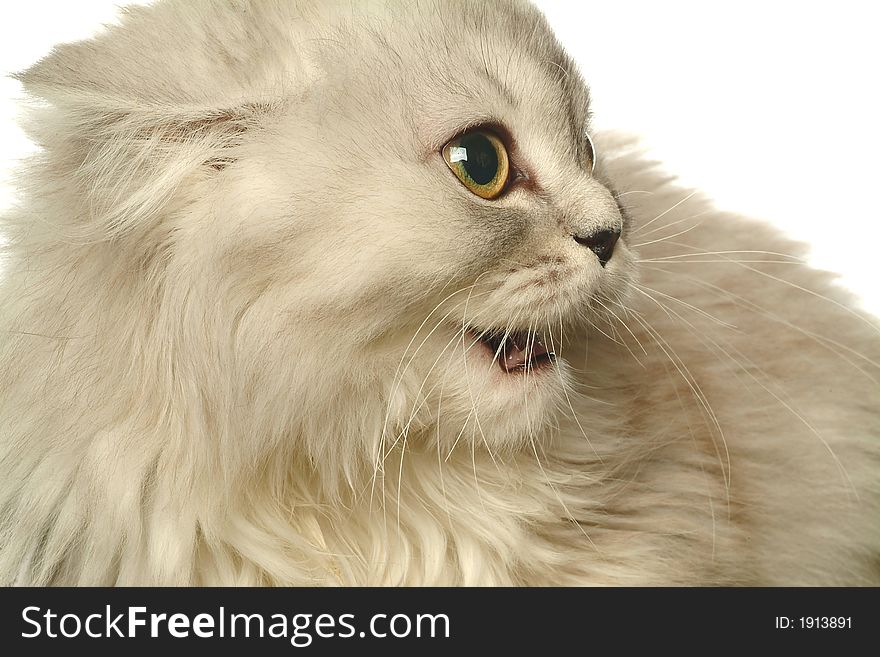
(601, 243)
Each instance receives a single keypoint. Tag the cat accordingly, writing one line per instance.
(348, 293)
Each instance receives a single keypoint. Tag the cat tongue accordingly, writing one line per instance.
(520, 352)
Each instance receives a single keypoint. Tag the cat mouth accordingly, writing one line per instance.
(516, 352)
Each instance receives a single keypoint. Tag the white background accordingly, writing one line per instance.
(771, 108)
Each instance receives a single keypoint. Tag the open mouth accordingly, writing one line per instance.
(515, 352)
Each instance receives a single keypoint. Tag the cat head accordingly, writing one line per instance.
(351, 223)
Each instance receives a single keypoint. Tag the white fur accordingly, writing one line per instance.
(231, 347)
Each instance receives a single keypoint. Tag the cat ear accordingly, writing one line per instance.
(129, 117)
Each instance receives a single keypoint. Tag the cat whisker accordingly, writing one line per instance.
(439, 446)
(667, 237)
(699, 311)
(561, 330)
(382, 451)
(564, 387)
(477, 423)
(533, 444)
(697, 251)
(680, 256)
(834, 346)
(850, 311)
(696, 389)
(669, 225)
(599, 329)
(630, 191)
(628, 330)
(724, 261)
(558, 497)
(397, 373)
(458, 437)
(476, 417)
(664, 213)
(683, 406)
(702, 337)
(459, 335)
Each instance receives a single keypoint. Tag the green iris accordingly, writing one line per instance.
(479, 160)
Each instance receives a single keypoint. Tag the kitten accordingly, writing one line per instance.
(328, 292)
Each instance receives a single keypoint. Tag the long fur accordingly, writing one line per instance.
(236, 339)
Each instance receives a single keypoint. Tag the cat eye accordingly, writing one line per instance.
(591, 152)
(479, 160)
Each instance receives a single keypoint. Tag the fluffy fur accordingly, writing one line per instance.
(233, 345)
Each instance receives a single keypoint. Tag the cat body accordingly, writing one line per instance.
(245, 314)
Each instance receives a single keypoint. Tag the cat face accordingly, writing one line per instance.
(365, 220)
(392, 262)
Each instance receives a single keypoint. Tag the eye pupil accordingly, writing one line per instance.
(482, 159)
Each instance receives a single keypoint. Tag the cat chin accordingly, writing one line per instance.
(463, 396)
